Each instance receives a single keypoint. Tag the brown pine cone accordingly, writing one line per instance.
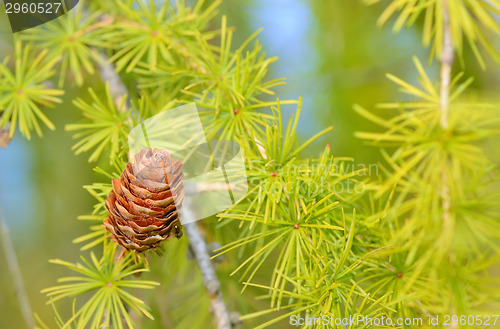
(145, 202)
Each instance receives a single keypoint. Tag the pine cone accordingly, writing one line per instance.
(145, 202)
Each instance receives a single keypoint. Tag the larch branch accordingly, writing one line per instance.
(199, 248)
(198, 244)
(447, 57)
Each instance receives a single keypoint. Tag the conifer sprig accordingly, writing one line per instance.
(72, 39)
(333, 253)
(154, 34)
(422, 146)
(24, 90)
(110, 283)
(106, 127)
(327, 290)
(469, 22)
(428, 241)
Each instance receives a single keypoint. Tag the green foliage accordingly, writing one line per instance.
(272, 159)
(72, 39)
(100, 192)
(98, 235)
(24, 90)
(106, 126)
(327, 288)
(434, 248)
(237, 75)
(423, 148)
(109, 283)
(468, 20)
(388, 249)
(153, 34)
(229, 84)
(296, 217)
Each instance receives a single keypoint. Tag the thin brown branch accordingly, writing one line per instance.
(447, 57)
(108, 74)
(199, 248)
(15, 272)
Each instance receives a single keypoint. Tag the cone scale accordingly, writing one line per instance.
(146, 200)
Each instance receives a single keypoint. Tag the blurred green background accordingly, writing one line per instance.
(331, 54)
